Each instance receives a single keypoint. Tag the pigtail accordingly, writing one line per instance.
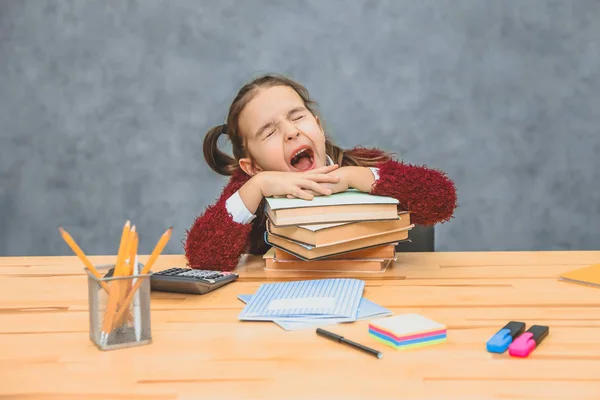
(367, 158)
(218, 161)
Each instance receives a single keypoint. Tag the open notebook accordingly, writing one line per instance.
(298, 300)
(366, 310)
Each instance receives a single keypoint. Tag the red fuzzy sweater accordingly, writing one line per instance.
(215, 241)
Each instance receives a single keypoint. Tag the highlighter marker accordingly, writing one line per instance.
(503, 338)
(528, 341)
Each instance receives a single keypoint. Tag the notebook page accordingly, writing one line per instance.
(320, 298)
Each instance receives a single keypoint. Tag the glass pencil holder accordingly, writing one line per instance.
(119, 309)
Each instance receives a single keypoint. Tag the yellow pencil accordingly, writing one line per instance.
(133, 253)
(113, 298)
(164, 239)
(127, 270)
(122, 254)
(77, 250)
(155, 253)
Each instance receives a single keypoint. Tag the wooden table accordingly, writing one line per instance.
(200, 349)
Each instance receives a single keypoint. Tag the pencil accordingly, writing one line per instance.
(114, 296)
(133, 267)
(134, 270)
(133, 252)
(77, 250)
(122, 254)
(121, 268)
(127, 271)
(155, 253)
(137, 313)
(162, 242)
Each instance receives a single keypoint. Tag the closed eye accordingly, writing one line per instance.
(297, 113)
(269, 134)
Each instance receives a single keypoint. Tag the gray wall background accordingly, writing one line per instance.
(104, 106)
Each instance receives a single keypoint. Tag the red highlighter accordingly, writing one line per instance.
(528, 341)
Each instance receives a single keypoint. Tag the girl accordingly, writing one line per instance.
(280, 149)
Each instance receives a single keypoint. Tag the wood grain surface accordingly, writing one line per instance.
(201, 351)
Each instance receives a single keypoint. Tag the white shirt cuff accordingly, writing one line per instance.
(237, 209)
(375, 172)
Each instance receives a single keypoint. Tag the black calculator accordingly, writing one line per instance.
(190, 281)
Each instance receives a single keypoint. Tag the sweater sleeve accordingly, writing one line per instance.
(215, 241)
(427, 193)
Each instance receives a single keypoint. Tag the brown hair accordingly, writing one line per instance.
(227, 165)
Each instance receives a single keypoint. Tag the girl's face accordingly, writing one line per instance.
(281, 133)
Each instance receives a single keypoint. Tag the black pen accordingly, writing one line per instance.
(341, 339)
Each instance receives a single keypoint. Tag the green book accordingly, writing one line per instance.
(349, 206)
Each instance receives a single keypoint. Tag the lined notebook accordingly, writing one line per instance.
(318, 298)
(366, 310)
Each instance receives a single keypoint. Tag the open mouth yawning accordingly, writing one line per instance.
(303, 159)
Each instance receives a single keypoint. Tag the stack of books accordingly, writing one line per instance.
(348, 231)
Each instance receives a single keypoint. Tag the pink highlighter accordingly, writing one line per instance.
(528, 341)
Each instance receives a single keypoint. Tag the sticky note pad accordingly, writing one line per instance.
(407, 331)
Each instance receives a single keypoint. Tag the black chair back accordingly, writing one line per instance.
(421, 239)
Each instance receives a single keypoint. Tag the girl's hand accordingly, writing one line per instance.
(303, 185)
(344, 182)
(360, 178)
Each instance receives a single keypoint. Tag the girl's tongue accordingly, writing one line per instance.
(303, 161)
